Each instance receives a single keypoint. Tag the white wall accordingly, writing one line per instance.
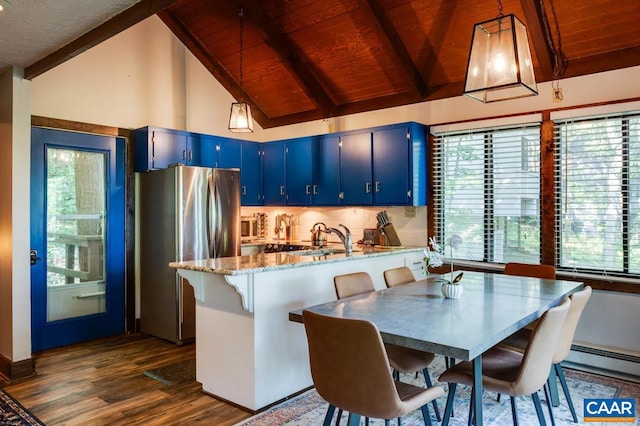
(144, 76)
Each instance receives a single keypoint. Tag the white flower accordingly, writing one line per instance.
(433, 254)
(454, 241)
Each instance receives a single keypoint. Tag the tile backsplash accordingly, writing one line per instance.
(412, 230)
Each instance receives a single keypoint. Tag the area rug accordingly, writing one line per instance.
(174, 374)
(12, 413)
(310, 409)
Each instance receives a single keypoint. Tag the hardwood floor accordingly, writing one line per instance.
(102, 383)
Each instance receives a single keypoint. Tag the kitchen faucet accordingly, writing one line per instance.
(345, 237)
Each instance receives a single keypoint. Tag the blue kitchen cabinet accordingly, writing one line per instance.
(157, 148)
(356, 169)
(400, 165)
(391, 167)
(299, 171)
(221, 152)
(251, 173)
(325, 189)
(273, 173)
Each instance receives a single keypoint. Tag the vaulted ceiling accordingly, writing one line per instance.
(311, 59)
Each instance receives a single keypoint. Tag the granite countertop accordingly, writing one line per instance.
(262, 262)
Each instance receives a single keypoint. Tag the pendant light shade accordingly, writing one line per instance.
(240, 120)
(500, 65)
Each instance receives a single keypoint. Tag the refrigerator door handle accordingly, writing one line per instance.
(209, 216)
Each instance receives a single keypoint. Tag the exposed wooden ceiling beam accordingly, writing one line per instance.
(537, 27)
(618, 59)
(217, 70)
(288, 55)
(394, 47)
(115, 25)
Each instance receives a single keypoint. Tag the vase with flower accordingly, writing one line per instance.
(434, 257)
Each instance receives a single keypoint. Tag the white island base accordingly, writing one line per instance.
(247, 350)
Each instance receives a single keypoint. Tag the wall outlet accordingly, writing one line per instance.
(556, 95)
(409, 211)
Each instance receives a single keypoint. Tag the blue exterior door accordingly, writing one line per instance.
(77, 229)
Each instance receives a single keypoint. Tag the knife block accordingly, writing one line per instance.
(392, 235)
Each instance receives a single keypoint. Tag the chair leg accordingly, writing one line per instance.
(536, 403)
(553, 388)
(354, 419)
(514, 411)
(427, 379)
(565, 389)
(547, 395)
(449, 406)
(426, 416)
(329, 416)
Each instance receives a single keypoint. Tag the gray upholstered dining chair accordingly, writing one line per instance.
(398, 276)
(520, 340)
(357, 380)
(401, 359)
(511, 372)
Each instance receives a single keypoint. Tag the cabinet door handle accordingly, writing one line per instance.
(190, 156)
(282, 190)
(307, 189)
(367, 187)
(244, 190)
(377, 186)
(315, 189)
(184, 154)
(341, 195)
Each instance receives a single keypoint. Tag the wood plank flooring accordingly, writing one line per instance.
(102, 383)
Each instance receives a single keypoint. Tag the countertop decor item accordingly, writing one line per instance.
(452, 290)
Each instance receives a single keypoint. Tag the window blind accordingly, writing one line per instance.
(487, 190)
(598, 193)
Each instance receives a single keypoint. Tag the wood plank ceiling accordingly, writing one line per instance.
(312, 59)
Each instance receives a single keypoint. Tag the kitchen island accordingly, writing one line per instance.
(247, 350)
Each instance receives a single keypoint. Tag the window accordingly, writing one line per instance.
(487, 190)
(598, 194)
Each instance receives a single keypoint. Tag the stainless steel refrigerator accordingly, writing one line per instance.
(185, 213)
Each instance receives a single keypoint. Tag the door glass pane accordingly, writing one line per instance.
(75, 233)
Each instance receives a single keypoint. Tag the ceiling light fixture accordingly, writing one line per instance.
(500, 65)
(240, 120)
(4, 4)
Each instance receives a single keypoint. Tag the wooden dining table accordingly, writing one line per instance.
(416, 315)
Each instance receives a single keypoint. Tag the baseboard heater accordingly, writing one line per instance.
(619, 364)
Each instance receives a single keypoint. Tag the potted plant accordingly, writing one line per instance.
(434, 257)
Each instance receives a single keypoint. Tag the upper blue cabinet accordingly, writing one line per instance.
(251, 174)
(385, 166)
(157, 148)
(302, 172)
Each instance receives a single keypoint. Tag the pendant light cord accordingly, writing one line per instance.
(241, 42)
(559, 58)
(500, 9)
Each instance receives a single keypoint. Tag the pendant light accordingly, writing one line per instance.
(500, 65)
(240, 120)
